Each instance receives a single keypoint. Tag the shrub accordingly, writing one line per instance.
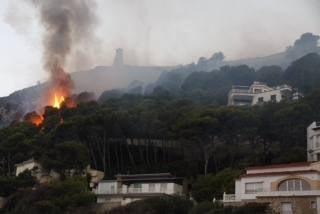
(156, 205)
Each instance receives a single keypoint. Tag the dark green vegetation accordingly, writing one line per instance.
(68, 196)
(174, 205)
(168, 130)
(156, 205)
(213, 87)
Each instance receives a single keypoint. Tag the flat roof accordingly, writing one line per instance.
(147, 177)
(144, 175)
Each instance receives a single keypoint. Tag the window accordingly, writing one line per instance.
(257, 91)
(286, 208)
(135, 188)
(294, 185)
(273, 98)
(112, 189)
(152, 187)
(313, 205)
(163, 187)
(260, 99)
(251, 188)
(318, 156)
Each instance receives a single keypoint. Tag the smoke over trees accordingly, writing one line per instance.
(68, 29)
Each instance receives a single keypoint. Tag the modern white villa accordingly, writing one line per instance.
(292, 188)
(259, 93)
(128, 188)
(313, 133)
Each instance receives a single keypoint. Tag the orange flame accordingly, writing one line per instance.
(37, 120)
(58, 100)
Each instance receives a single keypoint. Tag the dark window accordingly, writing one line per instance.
(273, 98)
(260, 99)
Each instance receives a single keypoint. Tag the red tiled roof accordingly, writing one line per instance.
(273, 166)
(276, 173)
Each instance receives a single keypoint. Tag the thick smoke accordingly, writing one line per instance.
(68, 26)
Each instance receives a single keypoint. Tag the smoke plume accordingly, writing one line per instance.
(68, 28)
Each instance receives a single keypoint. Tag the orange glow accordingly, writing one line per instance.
(37, 121)
(58, 100)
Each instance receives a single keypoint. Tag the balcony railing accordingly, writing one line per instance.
(240, 91)
(134, 190)
(229, 197)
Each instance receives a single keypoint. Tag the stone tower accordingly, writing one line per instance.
(118, 60)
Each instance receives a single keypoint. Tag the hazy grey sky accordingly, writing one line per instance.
(160, 32)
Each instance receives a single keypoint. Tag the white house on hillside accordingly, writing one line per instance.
(313, 133)
(259, 93)
(128, 188)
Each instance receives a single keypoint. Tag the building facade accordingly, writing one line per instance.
(259, 93)
(287, 188)
(313, 136)
(128, 188)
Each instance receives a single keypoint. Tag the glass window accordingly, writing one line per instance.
(313, 205)
(294, 185)
(255, 187)
(152, 187)
(163, 187)
(260, 99)
(137, 186)
(273, 98)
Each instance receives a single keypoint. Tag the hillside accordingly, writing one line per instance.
(173, 79)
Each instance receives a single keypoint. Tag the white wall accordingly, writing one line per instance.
(267, 96)
(26, 166)
(105, 187)
(267, 180)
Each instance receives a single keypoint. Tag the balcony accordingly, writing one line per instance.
(228, 198)
(239, 91)
(289, 193)
(134, 190)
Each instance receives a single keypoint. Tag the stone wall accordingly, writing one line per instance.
(300, 205)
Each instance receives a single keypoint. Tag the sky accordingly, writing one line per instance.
(159, 32)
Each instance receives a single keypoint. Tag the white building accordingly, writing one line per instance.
(30, 165)
(44, 176)
(258, 93)
(287, 188)
(313, 134)
(128, 188)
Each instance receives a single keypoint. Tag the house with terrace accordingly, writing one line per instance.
(259, 93)
(128, 188)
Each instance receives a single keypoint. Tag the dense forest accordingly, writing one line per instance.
(167, 130)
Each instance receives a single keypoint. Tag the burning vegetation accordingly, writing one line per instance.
(67, 26)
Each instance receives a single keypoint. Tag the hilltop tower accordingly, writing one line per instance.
(118, 60)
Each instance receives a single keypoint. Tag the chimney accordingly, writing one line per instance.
(118, 60)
